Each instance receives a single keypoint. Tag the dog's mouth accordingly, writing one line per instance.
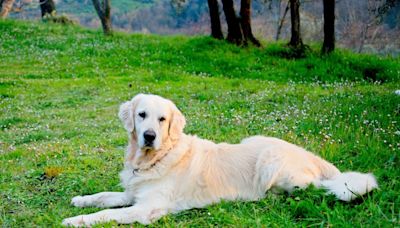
(147, 149)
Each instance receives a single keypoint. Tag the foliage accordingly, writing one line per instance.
(192, 18)
(60, 87)
(61, 19)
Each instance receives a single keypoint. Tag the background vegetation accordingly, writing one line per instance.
(60, 88)
(359, 25)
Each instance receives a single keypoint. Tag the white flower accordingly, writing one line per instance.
(397, 92)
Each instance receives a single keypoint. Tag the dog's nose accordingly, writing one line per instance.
(149, 136)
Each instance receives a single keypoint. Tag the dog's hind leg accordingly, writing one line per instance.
(276, 173)
(268, 169)
(102, 199)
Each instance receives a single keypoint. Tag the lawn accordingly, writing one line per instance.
(60, 88)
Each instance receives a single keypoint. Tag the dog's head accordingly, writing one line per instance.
(152, 121)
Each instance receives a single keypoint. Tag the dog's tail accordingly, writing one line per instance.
(350, 185)
(345, 186)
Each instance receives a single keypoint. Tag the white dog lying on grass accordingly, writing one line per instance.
(167, 171)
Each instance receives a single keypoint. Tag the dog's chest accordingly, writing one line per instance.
(141, 184)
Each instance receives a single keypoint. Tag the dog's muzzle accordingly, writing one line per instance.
(149, 137)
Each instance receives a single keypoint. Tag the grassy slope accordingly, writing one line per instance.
(60, 88)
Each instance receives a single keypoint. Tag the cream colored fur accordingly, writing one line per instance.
(181, 171)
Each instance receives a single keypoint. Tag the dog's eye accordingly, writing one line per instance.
(142, 114)
(161, 119)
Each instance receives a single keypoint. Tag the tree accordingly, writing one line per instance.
(386, 7)
(373, 18)
(47, 7)
(329, 26)
(377, 9)
(295, 40)
(103, 9)
(5, 7)
(214, 18)
(282, 20)
(239, 29)
(234, 31)
(245, 19)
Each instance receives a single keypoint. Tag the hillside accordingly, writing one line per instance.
(358, 27)
(93, 55)
(60, 88)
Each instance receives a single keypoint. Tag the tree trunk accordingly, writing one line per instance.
(364, 34)
(47, 7)
(245, 19)
(106, 25)
(103, 10)
(5, 7)
(278, 31)
(214, 18)
(329, 26)
(295, 40)
(234, 30)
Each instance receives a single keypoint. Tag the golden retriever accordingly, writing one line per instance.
(167, 171)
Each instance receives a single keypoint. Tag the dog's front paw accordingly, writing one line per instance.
(77, 221)
(79, 201)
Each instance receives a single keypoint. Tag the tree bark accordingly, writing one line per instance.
(234, 30)
(5, 7)
(295, 40)
(329, 27)
(216, 31)
(245, 19)
(278, 31)
(364, 34)
(47, 7)
(103, 10)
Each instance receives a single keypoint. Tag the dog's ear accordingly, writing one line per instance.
(127, 111)
(177, 123)
(125, 114)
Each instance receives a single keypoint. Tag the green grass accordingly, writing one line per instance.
(60, 88)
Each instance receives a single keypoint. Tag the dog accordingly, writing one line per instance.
(167, 171)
